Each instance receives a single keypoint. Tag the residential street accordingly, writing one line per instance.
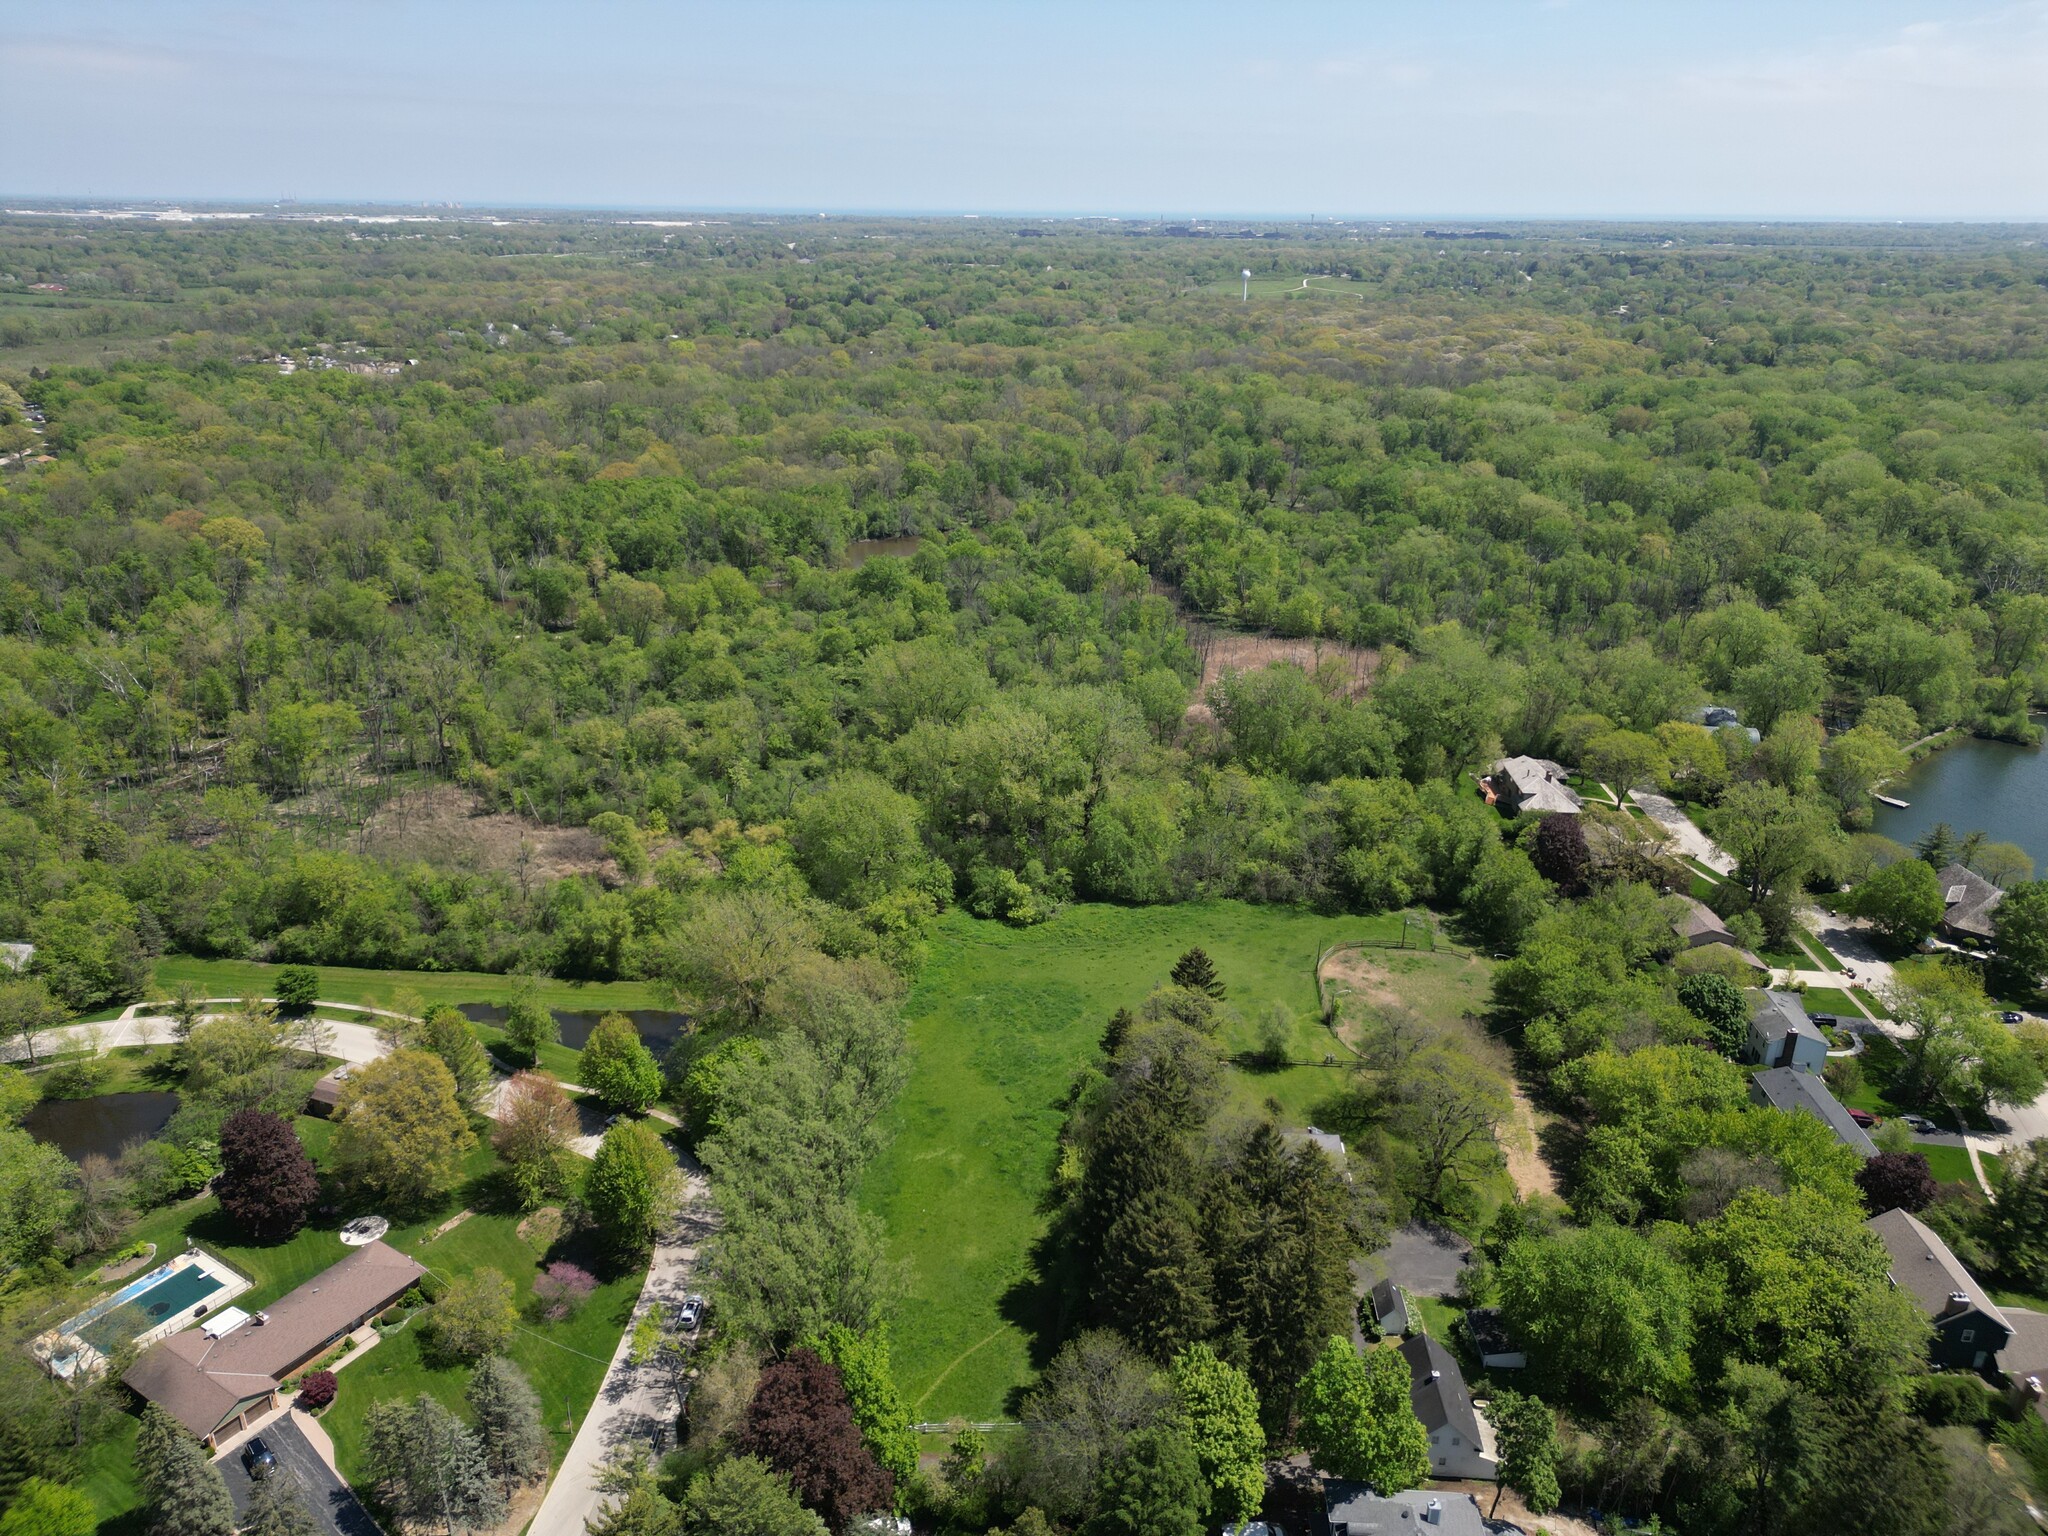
(635, 1403)
(351, 1042)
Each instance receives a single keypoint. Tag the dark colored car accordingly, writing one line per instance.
(1865, 1118)
(2013, 1018)
(258, 1459)
(1825, 1020)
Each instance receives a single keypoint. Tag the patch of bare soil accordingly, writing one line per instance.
(443, 825)
(1521, 1147)
(1349, 972)
(1512, 1508)
(1227, 650)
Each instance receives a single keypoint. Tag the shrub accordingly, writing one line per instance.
(316, 1390)
(297, 987)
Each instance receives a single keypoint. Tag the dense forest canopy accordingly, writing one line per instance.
(560, 513)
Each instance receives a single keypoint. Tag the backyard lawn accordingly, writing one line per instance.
(564, 1360)
(346, 984)
(999, 1023)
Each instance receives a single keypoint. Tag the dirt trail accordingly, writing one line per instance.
(1519, 1145)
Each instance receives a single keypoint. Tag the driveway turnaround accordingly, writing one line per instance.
(330, 1501)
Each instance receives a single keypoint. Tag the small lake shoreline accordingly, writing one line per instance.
(1974, 784)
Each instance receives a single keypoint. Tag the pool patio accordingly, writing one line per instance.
(143, 1312)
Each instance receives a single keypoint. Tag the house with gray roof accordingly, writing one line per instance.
(1461, 1442)
(1390, 1308)
(1698, 926)
(1804, 1093)
(1353, 1509)
(1781, 1035)
(1533, 784)
(1967, 902)
(1969, 1328)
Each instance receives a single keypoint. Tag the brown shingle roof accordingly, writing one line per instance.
(191, 1375)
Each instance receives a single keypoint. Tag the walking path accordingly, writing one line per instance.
(636, 1403)
(351, 1042)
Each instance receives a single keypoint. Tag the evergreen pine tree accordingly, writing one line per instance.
(508, 1422)
(431, 1465)
(1153, 1487)
(1197, 972)
(276, 1508)
(1937, 845)
(1152, 1282)
(1120, 1025)
(184, 1489)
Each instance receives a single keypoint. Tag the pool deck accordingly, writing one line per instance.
(66, 1349)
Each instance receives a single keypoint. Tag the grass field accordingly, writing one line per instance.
(377, 989)
(1829, 1000)
(565, 1361)
(999, 1023)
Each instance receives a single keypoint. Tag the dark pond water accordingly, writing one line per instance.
(1991, 787)
(861, 551)
(658, 1030)
(104, 1124)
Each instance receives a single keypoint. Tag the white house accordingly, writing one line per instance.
(1461, 1442)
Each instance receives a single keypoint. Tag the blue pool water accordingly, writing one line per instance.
(178, 1292)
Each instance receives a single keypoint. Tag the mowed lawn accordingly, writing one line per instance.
(377, 989)
(999, 1022)
(565, 1360)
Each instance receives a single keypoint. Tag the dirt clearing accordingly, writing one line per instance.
(444, 825)
(1227, 650)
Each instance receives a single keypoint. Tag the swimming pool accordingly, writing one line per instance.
(158, 1298)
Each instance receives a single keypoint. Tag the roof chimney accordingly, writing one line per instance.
(1436, 1375)
(1433, 1512)
(1958, 1301)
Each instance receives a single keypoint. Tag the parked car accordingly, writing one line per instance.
(1824, 1020)
(2013, 1018)
(1918, 1123)
(692, 1313)
(1865, 1118)
(257, 1458)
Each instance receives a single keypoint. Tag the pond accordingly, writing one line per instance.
(1991, 787)
(104, 1124)
(658, 1030)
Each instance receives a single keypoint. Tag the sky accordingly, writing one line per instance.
(1452, 109)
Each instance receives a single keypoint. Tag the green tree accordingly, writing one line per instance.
(1356, 1421)
(1151, 1487)
(1955, 1052)
(857, 842)
(535, 1126)
(743, 1494)
(87, 948)
(528, 1025)
(507, 1414)
(429, 1467)
(27, 1010)
(632, 1186)
(475, 1315)
(183, 1488)
(1719, 1005)
(445, 1033)
(43, 1508)
(1625, 760)
(1903, 901)
(878, 1410)
(2016, 1227)
(1855, 762)
(35, 1198)
(705, 1083)
(2020, 928)
(1526, 1431)
(617, 1067)
(1773, 837)
(1603, 1312)
(399, 1130)
(1220, 1412)
(1196, 972)
(298, 987)
(276, 1508)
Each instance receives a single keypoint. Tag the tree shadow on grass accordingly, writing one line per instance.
(1044, 1305)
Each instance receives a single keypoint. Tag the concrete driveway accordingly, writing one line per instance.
(330, 1501)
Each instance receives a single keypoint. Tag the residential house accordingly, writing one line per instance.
(218, 1378)
(1353, 1509)
(1804, 1093)
(324, 1095)
(1488, 1333)
(1329, 1143)
(1722, 717)
(1781, 1035)
(1969, 1329)
(1390, 1307)
(1697, 926)
(1461, 1442)
(1533, 784)
(1967, 900)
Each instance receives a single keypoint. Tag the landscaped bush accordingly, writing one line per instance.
(297, 987)
(316, 1390)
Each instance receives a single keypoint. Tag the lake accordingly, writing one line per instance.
(1989, 786)
(658, 1030)
(104, 1124)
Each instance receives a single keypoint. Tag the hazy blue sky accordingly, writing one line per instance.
(1457, 108)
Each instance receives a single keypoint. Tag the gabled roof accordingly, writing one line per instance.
(1437, 1388)
(1922, 1264)
(1387, 1298)
(192, 1375)
(1969, 899)
(1353, 1509)
(1778, 1014)
(2026, 1352)
(1698, 921)
(1804, 1093)
(1538, 784)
